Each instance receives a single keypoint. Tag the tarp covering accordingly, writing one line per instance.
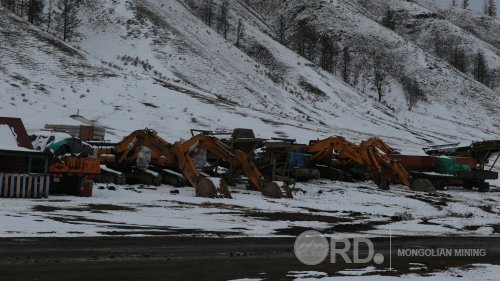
(72, 146)
(445, 165)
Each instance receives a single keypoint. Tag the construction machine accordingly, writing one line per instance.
(74, 175)
(283, 160)
(147, 158)
(338, 152)
(129, 150)
(455, 165)
(141, 157)
(379, 144)
(185, 151)
(73, 165)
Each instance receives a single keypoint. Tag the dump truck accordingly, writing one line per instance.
(73, 165)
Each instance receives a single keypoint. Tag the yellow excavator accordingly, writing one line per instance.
(371, 154)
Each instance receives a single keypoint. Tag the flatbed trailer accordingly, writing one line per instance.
(424, 167)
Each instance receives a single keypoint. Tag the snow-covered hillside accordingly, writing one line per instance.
(155, 64)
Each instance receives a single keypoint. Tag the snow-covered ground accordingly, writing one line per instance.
(335, 208)
(485, 272)
(473, 272)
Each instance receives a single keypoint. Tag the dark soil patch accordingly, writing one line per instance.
(109, 207)
(85, 208)
(148, 104)
(438, 203)
(427, 222)
(295, 217)
(45, 209)
(350, 227)
(488, 209)
(342, 228)
(472, 227)
(496, 228)
(78, 220)
(221, 206)
(291, 231)
(313, 210)
(169, 232)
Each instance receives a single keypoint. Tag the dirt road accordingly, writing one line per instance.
(193, 258)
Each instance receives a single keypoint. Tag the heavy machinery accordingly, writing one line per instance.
(283, 160)
(455, 164)
(380, 144)
(73, 165)
(141, 157)
(480, 151)
(341, 155)
(146, 158)
(74, 175)
(238, 159)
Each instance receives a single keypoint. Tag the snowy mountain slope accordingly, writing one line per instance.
(174, 15)
(354, 29)
(155, 64)
(42, 85)
(455, 93)
(425, 27)
(484, 27)
(118, 98)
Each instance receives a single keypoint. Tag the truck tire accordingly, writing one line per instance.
(422, 185)
(468, 185)
(484, 187)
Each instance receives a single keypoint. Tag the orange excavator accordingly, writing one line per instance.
(134, 155)
(150, 155)
(339, 152)
(184, 153)
(378, 143)
(129, 149)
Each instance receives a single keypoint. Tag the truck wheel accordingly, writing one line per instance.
(422, 185)
(484, 187)
(468, 185)
(438, 185)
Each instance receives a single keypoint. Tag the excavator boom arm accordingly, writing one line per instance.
(370, 153)
(129, 148)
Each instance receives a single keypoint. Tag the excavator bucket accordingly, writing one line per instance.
(276, 190)
(208, 189)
